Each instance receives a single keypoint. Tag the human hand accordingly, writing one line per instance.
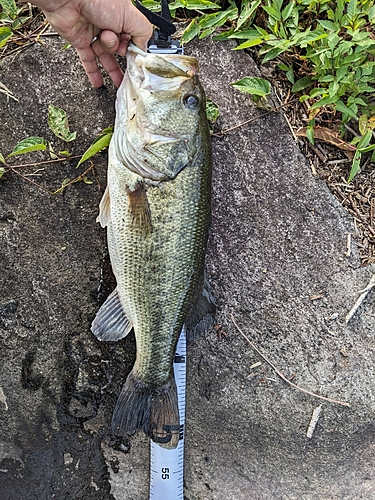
(113, 23)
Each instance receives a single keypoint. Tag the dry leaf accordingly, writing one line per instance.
(319, 295)
(328, 135)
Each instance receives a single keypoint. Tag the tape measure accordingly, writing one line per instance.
(167, 466)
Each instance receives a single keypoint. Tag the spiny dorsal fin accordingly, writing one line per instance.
(111, 323)
(104, 209)
(139, 210)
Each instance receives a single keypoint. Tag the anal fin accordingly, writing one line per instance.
(111, 323)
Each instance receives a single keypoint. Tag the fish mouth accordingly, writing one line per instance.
(150, 73)
(156, 72)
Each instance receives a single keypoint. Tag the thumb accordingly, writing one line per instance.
(109, 41)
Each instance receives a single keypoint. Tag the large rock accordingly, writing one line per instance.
(278, 238)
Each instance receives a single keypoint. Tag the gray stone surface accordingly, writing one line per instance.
(278, 237)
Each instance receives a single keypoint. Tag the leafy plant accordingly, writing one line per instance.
(257, 87)
(100, 143)
(58, 123)
(328, 50)
(11, 18)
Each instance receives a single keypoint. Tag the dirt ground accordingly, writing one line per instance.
(278, 262)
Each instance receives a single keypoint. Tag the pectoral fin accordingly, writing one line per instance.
(111, 323)
(104, 209)
(139, 210)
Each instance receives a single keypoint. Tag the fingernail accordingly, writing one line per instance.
(109, 44)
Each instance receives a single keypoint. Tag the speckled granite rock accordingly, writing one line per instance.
(278, 237)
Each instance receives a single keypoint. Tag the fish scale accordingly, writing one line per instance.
(171, 249)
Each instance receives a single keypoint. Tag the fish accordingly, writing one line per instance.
(156, 209)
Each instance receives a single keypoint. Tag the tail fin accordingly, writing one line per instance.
(153, 409)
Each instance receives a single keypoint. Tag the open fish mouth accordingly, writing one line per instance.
(153, 91)
(154, 72)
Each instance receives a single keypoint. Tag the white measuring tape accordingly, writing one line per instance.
(167, 466)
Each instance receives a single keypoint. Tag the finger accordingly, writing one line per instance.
(109, 63)
(110, 41)
(123, 45)
(90, 65)
(140, 29)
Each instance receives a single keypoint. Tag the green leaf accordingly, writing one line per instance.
(206, 33)
(5, 34)
(212, 111)
(2, 159)
(273, 12)
(100, 143)
(324, 101)
(340, 106)
(371, 13)
(253, 85)
(245, 34)
(272, 54)
(9, 7)
(328, 25)
(290, 75)
(363, 123)
(199, 4)
(247, 12)
(250, 43)
(355, 165)
(217, 18)
(302, 83)
(224, 35)
(2, 172)
(310, 133)
(58, 123)
(365, 140)
(191, 31)
(368, 148)
(28, 146)
(287, 11)
(352, 9)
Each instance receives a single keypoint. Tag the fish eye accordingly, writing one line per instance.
(191, 101)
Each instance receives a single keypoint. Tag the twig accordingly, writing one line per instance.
(314, 421)
(343, 403)
(7, 92)
(60, 189)
(32, 182)
(348, 245)
(273, 110)
(360, 299)
(73, 181)
(46, 162)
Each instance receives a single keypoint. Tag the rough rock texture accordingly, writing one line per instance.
(278, 238)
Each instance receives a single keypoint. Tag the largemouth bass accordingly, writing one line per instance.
(156, 209)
